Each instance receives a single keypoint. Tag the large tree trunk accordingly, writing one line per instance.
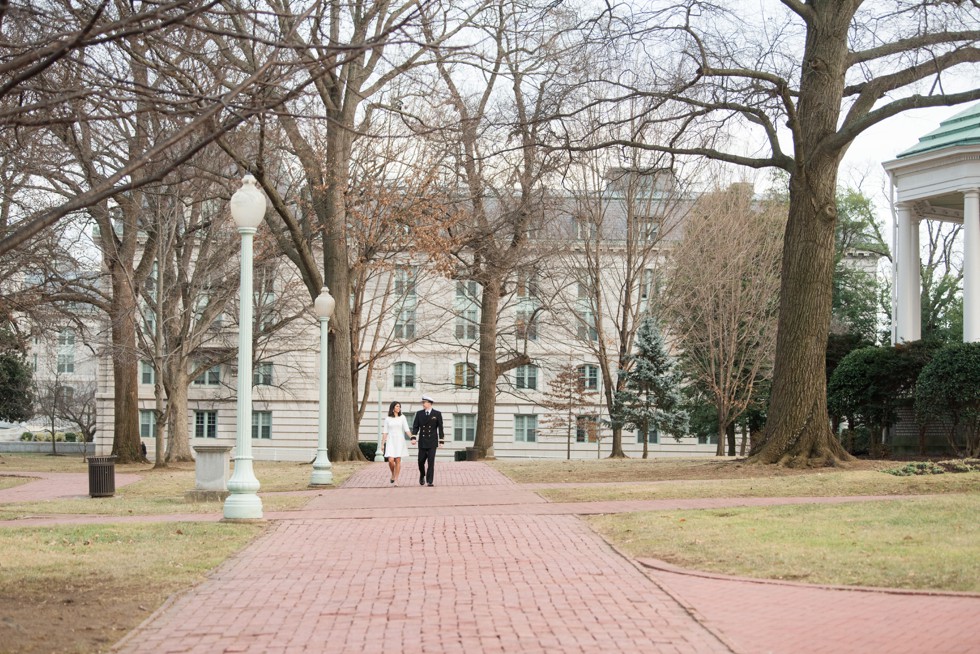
(798, 432)
(179, 444)
(341, 430)
(125, 373)
(610, 388)
(487, 380)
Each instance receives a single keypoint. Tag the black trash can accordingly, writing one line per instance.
(472, 454)
(101, 476)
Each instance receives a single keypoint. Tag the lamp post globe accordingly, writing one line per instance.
(323, 307)
(247, 210)
(248, 205)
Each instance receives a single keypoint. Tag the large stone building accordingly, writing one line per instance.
(431, 339)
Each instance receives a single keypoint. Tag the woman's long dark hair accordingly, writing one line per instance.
(391, 409)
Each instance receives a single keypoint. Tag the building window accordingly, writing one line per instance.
(467, 291)
(148, 423)
(404, 375)
(262, 375)
(66, 351)
(646, 285)
(205, 424)
(465, 376)
(405, 324)
(210, 377)
(585, 229)
(527, 285)
(262, 424)
(466, 325)
(63, 395)
(589, 376)
(586, 326)
(525, 428)
(149, 321)
(652, 436)
(586, 428)
(464, 427)
(66, 338)
(526, 326)
(648, 228)
(405, 277)
(148, 374)
(66, 362)
(265, 308)
(526, 377)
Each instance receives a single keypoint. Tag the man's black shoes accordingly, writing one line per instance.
(421, 480)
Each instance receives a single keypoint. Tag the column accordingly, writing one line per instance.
(971, 266)
(908, 280)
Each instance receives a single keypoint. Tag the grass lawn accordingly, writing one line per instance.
(161, 491)
(920, 543)
(82, 588)
(928, 542)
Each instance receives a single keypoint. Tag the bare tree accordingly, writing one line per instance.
(351, 54)
(496, 138)
(66, 75)
(722, 297)
(565, 398)
(627, 210)
(807, 84)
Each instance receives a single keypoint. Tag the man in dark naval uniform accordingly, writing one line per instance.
(428, 428)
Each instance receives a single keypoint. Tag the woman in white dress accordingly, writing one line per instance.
(393, 442)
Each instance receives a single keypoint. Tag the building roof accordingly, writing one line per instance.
(961, 129)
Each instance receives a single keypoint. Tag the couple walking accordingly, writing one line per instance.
(427, 426)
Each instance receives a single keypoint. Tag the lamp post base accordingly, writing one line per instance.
(243, 506)
(322, 473)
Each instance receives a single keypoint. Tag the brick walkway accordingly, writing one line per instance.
(54, 485)
(481, 564)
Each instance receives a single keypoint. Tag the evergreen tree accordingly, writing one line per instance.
(16, 380)
(652, 397)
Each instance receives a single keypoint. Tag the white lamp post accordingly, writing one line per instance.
(247, 210)
(380, 385)
(323, 307)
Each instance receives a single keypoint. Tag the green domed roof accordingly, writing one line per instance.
(961, 129)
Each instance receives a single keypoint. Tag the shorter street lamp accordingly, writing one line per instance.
(323, 307)
(380, 385)
(247, 210)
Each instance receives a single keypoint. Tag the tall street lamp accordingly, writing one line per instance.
(380, 385)
(323, 307)
(247, 210)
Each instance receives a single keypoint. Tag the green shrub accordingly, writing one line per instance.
(459, 455)
(27, 436)
(70, 437)
(368, 449)
(949, 389)
(935, 467)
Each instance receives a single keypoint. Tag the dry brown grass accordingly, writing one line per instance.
(920, 543)
(162, 490)
(660, 469)
(81, 588)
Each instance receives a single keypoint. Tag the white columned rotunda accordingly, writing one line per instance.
(937, 179)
